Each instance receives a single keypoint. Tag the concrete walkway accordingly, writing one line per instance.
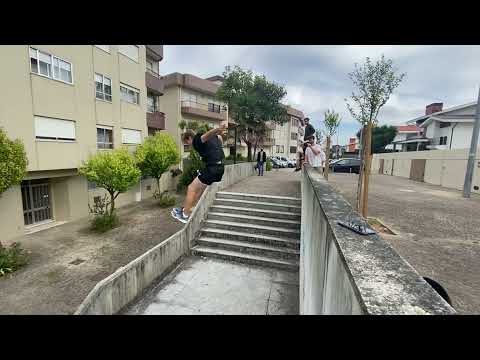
(438, 231)
(215, 287)
(210, 286)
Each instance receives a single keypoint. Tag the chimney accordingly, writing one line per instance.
(433, 108)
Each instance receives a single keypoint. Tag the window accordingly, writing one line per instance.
(444, 124)
(54, 129)
(43, 63)
(151, 103)
(293, 149)
(130, 51)
(443, 140)
(293, 136)
(152, 66)
(103, 87)
(213, 107)
(189, 98)
(104, 137)
(130, 136)
(129, 94)
(279, 149)
(104, 47)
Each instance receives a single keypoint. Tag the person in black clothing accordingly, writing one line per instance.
(261, 159)
(309, 131)
(210, 148)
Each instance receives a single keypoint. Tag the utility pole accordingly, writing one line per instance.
(467, 185)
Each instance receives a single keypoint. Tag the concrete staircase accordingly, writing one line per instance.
(256, 229)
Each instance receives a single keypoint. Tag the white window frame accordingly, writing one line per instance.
(132, 89)
(103, 87)
(101, 47)
(103, 127)
(131, 143)
(135, 60)
(52, 58)
(54, 139)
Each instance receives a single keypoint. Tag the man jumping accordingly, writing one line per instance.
(210, 148)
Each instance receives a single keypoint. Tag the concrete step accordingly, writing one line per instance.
(258, 205)
(256, 212)
(247, 219)
(284, 200)
(253, 228)
(290, 265)
(249, 248)
(250, 238)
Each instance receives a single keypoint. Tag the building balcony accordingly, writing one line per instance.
(155, 52)
(156, 120)
(154, 82)
(267, 142)
(209, 111)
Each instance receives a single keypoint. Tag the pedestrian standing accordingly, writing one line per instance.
(261, 160)
(314, 154)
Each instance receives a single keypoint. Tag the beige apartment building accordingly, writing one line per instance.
(66, 103)
(191, 98)
(286, 135)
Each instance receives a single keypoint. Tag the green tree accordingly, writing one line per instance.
(252, 101)
(381, 137)
(331, 124)
(116, 171)
(13, 162)
(156, 155)
(373, 84)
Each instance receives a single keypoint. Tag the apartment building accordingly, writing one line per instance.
(66, 103)
(286, 135)
(191, 98)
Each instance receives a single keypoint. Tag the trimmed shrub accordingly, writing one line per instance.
(11, 258)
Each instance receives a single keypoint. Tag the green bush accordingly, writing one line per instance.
(268, 165)
(13, 162)
(105, 222)
(194, 163)
(11, 258)
(166, 201)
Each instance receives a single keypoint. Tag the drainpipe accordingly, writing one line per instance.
(451, 136)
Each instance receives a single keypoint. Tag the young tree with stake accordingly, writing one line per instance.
(373, 84)
(331, 124)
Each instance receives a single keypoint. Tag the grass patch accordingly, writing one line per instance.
(12, 258)
(105, 222)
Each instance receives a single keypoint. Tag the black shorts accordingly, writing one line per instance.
(211, 174)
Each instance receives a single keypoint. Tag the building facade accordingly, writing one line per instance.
(66, 103)
(286, 136)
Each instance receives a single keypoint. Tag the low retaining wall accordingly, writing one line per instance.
(116, 291)
(446, 168)
(342, 272)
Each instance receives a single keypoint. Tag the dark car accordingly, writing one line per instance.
(346, 166)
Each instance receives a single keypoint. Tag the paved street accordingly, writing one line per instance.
(438, 231)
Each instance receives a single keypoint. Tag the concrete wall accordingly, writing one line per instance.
(116, 291)
(443, 167)
(342, 272)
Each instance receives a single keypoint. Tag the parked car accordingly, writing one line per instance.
(346, 166)
(275, 162)
(292, 163)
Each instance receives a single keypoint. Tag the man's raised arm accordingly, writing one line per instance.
(214, 132)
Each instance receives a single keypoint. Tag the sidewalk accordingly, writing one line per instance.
(68, 260)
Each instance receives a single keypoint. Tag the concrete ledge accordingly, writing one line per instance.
(117, 290)
(342, 272)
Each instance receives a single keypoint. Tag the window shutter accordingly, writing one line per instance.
(54, 128)
(130, 136)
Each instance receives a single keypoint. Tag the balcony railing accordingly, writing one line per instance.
(156, 120)
(209, 110)
(154, 82)
(154, 73)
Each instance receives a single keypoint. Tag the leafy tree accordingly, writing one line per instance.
(319, 136)
(156, 155)
(116, 171)
(13, 162)
(331, 124)
(373, 84)
(381, 137)
(252, 101)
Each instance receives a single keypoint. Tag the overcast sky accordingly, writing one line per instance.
(315, 77)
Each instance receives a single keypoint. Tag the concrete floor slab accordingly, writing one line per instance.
(216, 287)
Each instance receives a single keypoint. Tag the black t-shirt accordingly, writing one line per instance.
(211, 151)
(309, 131)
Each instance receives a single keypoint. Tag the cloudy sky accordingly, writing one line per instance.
(315, 77)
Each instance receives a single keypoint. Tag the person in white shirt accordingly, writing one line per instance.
(314, 154)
